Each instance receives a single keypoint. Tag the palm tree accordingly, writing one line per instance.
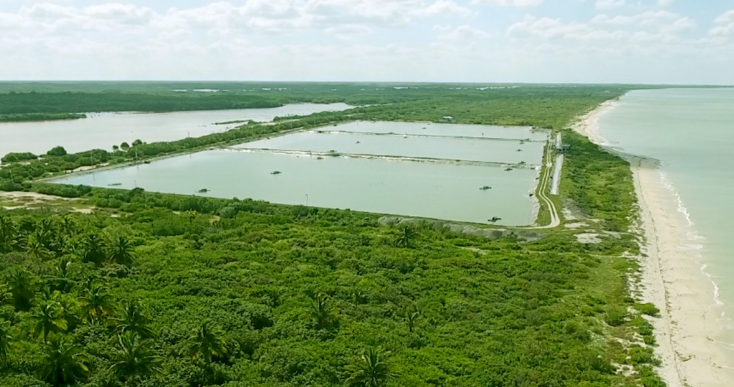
(68, 226)
(63, 363)
(132, 320)
(321, 313)
(133, 357)
(97, 302)
(121, 251)
(5, 294)
(49, 319)
(21, 288)
(92, 249)
(411, 314)
(36, 248)
(405, 237)
(8, 233)
(61, 279)
(5, 339)
(208, 344)
(370, 369)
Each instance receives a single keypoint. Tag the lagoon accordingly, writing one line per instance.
(103, 130)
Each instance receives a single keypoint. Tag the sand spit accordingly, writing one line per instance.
(671, 278)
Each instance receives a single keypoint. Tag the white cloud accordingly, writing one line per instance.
(622, 31)
(349, 31)
(723, 26)
(608, 4)
(644, 19)
(510, 3)
(334, 39)
(461, 34)
(444, 7)
(120, 13)
(665, 3)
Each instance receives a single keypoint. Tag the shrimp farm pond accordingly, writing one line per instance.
(471, 173)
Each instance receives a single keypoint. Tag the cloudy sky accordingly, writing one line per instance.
(650, 41)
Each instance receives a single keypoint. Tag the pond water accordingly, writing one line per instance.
(103, 130)
(436, 187)
(407, 145)
(454, 130)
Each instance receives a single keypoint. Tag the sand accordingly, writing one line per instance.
(689, 321)
(11, 200)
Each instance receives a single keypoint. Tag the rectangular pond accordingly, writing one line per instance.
(420, 176)
(407, 145)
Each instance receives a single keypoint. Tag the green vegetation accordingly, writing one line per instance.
(45, 116)
(57, 151)
(598, 183)
(158, 289)
(20, 156)
(504, 104)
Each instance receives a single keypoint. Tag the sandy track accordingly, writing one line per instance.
(543, 187)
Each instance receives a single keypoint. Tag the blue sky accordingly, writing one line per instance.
(648, 41)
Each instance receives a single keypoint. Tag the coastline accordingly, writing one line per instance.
(688, 324)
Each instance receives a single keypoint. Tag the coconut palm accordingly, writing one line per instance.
(61, 278)
(133, 320)
(97, 303)
(370, 369)
(133, 357)
(405, 238)
(46, 238)
(63, 363)
(321, 315)
(21, 289)
(49, 318)
(8, 234)
(411, 315)
(207, 344)
(5, 339)
(121, 251)
(36, 248)
(5, 295)
(92, 249)
(68, 226)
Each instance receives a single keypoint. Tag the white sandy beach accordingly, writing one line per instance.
(672, 278)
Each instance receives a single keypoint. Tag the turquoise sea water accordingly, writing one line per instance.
(691, 132)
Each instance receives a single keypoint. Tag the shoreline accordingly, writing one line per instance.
(688, 326)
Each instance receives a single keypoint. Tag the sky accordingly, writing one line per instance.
(578, 41)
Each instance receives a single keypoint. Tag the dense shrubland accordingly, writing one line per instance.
(208, 291)
(158, 289)
(598, 182)
(540, 105)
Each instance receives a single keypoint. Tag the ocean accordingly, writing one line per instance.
(691, 133)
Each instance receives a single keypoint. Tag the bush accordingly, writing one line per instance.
(63, 190)
(57, 151)
(15, 157)
(648, 309)
(615, 316)
(640, 355)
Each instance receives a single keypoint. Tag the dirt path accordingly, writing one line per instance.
(543, 188)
